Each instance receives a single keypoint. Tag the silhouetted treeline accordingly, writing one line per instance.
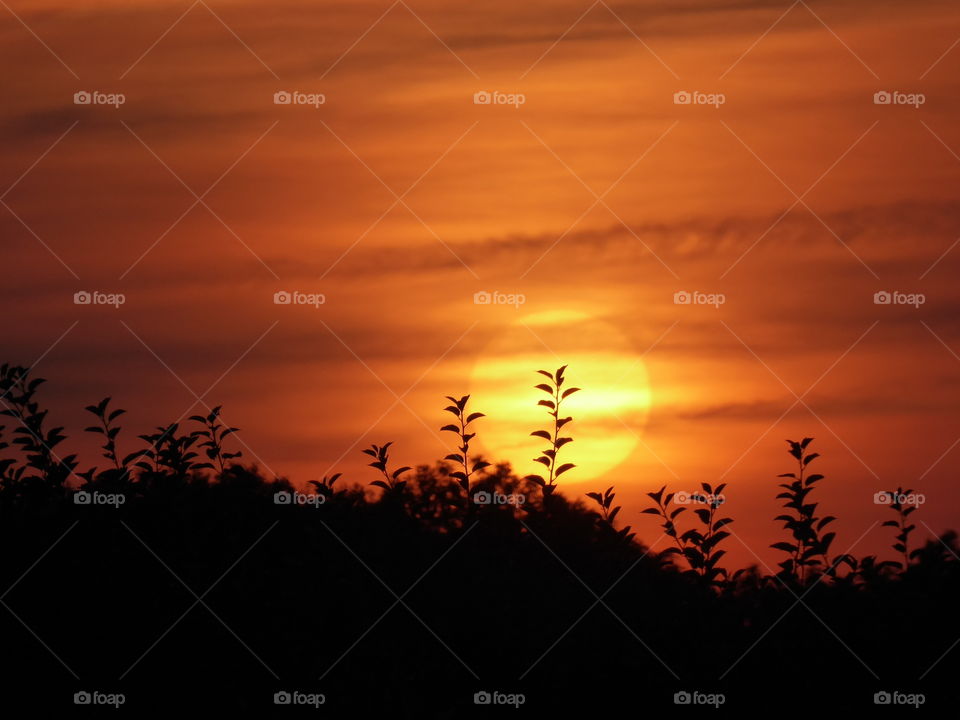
(184, 580)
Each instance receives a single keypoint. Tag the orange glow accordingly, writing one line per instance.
(598, 199)
(608, 412)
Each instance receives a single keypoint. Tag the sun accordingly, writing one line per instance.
(609, 412)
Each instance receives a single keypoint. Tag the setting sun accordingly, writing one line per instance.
(609, 413)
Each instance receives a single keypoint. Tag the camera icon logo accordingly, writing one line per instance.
(482, 698)
(81, 497)
(82, 298)
(681, 297)
(682, 97)
(281, 297)
(282, 698)
(82, 97)
(882, 97)
(882, 297)
(482, 297)
(482, 498)
(682, 698)
(882, 498)
(481, 97)
(882, 698)
(282, 498)
(282, 97)
(82, 698)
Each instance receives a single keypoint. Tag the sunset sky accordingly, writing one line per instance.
(597, 200)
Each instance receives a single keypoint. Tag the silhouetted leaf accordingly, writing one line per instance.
(785, 546)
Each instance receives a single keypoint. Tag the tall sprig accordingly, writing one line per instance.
(213, 434)
(107, 429)
(381, 459)
(809, 548)
(459, 411)
(549, 457)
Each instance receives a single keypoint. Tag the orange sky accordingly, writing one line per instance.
(399, 198)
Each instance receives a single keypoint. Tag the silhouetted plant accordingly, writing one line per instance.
(549, 457)
(213, 435)
(176, 453)
(381, 455)
(6, 474)
(697, 546)
(809, 549)
(901, 545)
(662, 509)
(325, 486)
(459, 410)
(17, 391)
(703, 543)
(149, 459)
(608, 512)
(168, 452)
(107, 429)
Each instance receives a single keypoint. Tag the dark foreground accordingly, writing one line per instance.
(197, 594)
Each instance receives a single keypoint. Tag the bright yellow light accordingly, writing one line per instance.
(608, 413)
